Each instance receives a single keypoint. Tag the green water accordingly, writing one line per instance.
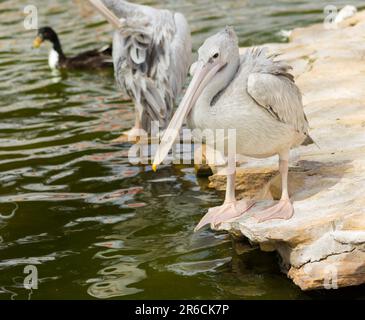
(93, 224)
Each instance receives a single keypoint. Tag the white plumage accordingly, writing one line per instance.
(53, 59)
(346, 12)
(253, 94)
(261, 102)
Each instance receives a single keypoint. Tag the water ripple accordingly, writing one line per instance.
(70, 201)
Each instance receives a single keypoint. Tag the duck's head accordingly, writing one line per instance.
(45, 34)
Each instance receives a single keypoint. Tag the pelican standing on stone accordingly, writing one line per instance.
(152, 55)
(253, 94)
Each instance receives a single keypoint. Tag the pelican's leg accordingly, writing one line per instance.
(133, 134)
(284, 209)
(230, 209)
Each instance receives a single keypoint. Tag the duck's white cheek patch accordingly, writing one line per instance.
(53, 59)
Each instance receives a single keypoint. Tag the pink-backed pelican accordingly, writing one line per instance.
(253, 94)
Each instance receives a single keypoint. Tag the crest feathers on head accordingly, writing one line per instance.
(231, 33)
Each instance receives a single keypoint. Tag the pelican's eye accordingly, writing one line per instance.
(216, 55)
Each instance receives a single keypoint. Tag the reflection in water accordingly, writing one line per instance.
(94, 224)
(126, 255)
(116, 281)
(193, 268)
(10, 215)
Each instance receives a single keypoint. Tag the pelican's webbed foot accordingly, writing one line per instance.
(133, 135)
(228, 211)
(282, 210)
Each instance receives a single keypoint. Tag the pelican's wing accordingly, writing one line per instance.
(168, 60)
(180, 54)
(152, 53)
(272, 87)
(151, 62)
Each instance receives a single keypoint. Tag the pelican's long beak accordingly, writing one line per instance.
(37, 42)
(202, 76)
(107, 14)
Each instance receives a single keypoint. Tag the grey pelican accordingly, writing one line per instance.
(252, 93)
(152, 55)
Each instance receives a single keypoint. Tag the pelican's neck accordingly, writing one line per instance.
(220, 81)
(120, 8)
